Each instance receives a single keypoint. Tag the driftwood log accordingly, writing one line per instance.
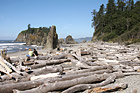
(94, 68)
(61, 56)
(108, 88)
(82, 87)
(44, 70)
(60, 85)
(42, 63)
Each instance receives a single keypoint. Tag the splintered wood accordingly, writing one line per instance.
(86, 67)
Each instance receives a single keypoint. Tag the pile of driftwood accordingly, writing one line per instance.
(85, 68)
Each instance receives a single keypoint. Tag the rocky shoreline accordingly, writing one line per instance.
(113, 63)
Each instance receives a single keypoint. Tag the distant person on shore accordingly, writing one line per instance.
(35, 53)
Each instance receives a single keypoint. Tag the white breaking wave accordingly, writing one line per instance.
(11, 46)
(6, 44)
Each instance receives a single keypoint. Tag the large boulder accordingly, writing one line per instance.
(70, 40)
(52, 39)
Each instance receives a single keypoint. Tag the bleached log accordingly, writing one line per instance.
(82, 65)
(65, 77)
(13, 76)
(27, 77)
(42, 63)
(60, 85)
(53, 62)
(82, 87)
(92, 64)
(35, 66)
(131, 73)
(4, 67)
(8, 88)
(85, 53)
(43, 57)
(52, 75)
(72, 76)
(14, 60)
(79, 58)
(61, 56)
(108, 88)
(47, 69)
(44, 70)
(9, 67)
(94, 68)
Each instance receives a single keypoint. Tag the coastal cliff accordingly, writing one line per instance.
(41, 36)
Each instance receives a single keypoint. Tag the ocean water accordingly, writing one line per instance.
(12, 46)
(79, 40)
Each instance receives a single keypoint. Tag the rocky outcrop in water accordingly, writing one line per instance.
(70, 40)
(41, 36)
(52, 38)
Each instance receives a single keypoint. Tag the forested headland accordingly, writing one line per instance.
(118, 21)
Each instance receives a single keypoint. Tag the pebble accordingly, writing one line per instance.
(133, 84)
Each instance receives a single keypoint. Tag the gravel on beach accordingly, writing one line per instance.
(132, 81)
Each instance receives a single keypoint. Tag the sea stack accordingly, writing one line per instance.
(70, 40)
(42, 36)
(52, 39)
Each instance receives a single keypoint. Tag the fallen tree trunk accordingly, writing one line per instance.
(60, 85)
(43, 57)
(82, 87)
(61, 56)
(73, 76)
(107, 88)
(42, 63)
(44, 70)
(8, 88)
(79, 58)
(13, 76)
(50, 75)
(85, 53)
(14, 60)
(90, 69)
(7, 67)
(4, 67)
(69, 77)
(35, 66)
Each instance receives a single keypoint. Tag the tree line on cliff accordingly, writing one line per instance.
(119, 21)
